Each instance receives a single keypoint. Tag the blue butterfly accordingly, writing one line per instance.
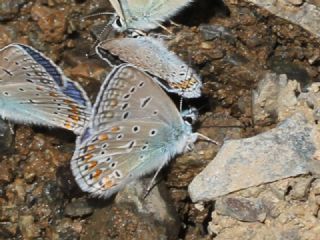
(34, 90)
(135, 128)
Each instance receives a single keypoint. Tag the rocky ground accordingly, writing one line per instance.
(238, 48)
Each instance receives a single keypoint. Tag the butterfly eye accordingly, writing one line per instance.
(118, 22)
(188, 120)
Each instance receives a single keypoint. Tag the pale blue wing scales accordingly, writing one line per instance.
(130, 94)
(149, 14)
(113, 152)
(102, 167)
(34, 90)
(152, 56)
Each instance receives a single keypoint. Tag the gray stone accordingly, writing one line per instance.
(307, 15)
(242, 209)
(78, 208)
(300, 188)
(277, 154)
(210, 32)
(133, 216)
(6, 136)
(10, 9)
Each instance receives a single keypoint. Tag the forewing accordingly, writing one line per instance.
(154, 11)
(152, 56)
(116, 4)
(34, 90)
(164, 9)
(128, 93)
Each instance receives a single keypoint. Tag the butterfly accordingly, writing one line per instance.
(152, 56)
(144, 14)
(135, 128)
(33, 90)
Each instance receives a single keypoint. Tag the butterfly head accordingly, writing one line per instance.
(119, 24)
(189, 117)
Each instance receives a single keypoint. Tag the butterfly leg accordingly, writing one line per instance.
(161, 36)
(152, 184)
(164, 28)
(175, 24)
(205, 138)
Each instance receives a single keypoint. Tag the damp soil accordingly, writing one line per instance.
(231, 44)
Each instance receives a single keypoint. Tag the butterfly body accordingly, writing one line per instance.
(135, 129)
(145, 14)
(34, 90)
(152, 56)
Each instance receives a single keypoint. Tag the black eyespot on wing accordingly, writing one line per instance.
(119, 136)
(124, 106)
(132, 90)
(117, 173)
(125, 115)
(112, 165)
(135, 129)
(152, 132)
(141, 84)
(126, 96)
(145, 102)
(145, 146)
(131, 144)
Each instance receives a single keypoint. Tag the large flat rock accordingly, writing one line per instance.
(282, 152)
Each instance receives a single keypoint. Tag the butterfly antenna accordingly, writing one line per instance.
(180, 104)
(98, 14)
(101, 36)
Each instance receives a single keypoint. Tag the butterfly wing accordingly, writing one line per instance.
(135, 129)
(34, 90)
(116, 4)
(152, 56)
(148, 14)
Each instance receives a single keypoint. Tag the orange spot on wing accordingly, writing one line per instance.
(88, 156)
(92, 164)
(97, 173)
(68, 125)
(115, 129)
(91, 148)
(103, 137)
(108, 183)
(52, 94)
